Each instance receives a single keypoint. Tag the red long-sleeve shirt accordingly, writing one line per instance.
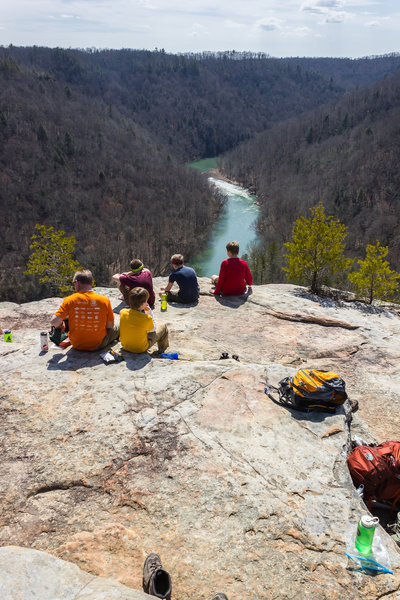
(234, 274)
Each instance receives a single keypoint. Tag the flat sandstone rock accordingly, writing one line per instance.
(101, 465)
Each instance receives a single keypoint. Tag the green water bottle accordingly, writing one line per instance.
(365, 533)
(164, 301)
(7, 335)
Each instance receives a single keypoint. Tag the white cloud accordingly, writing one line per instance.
(233, 24)
(338, 17)
(279, 27)
(329, 3)
(197, 31)
(301, 31)
(321, 6)
(269, 24)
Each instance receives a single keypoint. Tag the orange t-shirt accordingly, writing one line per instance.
(88, 313)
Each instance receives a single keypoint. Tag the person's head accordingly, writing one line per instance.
(137, 297)
(136, 265)
(176, 260)
(232, 248)
(83, 279)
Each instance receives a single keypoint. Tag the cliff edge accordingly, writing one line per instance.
(103, 464)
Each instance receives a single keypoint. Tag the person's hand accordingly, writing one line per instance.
(211, 292)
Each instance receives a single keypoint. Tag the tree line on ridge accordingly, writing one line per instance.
(95, 143)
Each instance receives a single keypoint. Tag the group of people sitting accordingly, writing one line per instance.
(91, 318)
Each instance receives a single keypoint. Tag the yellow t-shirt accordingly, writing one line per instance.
(133, 328)
(88, 313)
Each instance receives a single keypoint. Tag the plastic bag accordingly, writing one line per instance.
(111, 357)
(377, 560)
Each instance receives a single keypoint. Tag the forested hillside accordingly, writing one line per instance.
(345, 155)
(197, 106)
(71, 161)
(95, 143)
(351, 73)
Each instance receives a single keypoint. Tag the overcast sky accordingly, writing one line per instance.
(351, 28)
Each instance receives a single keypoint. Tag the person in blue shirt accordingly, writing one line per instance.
(186, 279)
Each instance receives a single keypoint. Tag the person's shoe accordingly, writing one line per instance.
(220, 596)
(156, 581)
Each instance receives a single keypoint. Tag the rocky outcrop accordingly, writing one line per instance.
(30, 574)
(101, 465)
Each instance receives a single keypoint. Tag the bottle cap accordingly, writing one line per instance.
(369, 522)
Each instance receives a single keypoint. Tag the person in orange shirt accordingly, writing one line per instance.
(90, 316)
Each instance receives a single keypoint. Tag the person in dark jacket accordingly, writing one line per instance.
(186, 279)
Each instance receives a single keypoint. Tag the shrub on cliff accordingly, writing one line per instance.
(52, 258)
(316, 250)
(374, 279)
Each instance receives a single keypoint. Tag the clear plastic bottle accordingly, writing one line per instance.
(365, 533)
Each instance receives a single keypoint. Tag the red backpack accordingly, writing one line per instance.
(378, 469)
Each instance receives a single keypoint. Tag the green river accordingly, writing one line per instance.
(236, 222)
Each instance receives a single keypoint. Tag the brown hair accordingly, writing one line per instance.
(233, 248)
(177, 259)
(84, 276)
(136, 264)
(137, 296)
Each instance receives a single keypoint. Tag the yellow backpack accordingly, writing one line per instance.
(313, 390)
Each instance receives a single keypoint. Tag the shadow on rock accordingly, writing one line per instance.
(72, 360)
(135, 362)
(342, 300)
(120, 306)
(181, 305)
(233, 301)
(314, 416)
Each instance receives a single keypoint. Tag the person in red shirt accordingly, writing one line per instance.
(234, 274)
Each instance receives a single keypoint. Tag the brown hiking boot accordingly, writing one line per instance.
(220, 596)
(156, 581)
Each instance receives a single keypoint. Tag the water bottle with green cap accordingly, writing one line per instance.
(365, 533)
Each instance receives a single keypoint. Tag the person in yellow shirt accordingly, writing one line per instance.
(90, 315)
(137, 329)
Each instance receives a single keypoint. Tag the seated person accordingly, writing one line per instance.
(234, 273)
(138, 276)
(186, 279)
(90, 316)
(137, 329)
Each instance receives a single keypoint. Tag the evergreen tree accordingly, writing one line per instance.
(374, 279)
(52, 258)
(316, 250)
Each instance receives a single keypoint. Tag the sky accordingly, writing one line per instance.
(281, 28)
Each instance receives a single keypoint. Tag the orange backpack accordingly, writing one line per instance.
(377, 468)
